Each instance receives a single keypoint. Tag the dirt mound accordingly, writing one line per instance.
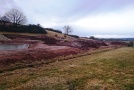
(92, 43)
(119, 43)
(46, 39)
(21, 42)
(48, 47)
(3, 38)
(45, 48)
(83, 44)
(16, 36)
(10, 57)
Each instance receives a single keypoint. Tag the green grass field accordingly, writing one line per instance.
(108, 70)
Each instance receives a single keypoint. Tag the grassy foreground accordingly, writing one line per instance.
(109, 70)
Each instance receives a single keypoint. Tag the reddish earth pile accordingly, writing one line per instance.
(83, 44)
(45, 48)
(46, 39)
(9, 57)
(118, 43)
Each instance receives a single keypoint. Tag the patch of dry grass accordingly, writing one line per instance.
(60, 35)
(28, 34)
(51, 33)
(110, 70)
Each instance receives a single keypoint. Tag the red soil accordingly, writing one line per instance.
(44, 48)
(8, 57)
(35, 52)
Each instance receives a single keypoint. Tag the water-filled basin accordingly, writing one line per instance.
(13, 46)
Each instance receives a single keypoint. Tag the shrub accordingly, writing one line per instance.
(48, 40)
(130, 44)
(91, 37)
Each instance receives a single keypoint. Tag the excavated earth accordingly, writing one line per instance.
(43, 47)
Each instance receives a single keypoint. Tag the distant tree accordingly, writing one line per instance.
(130, 44)
(38, 25)
(68, 29)
(92, 37)
(0, 18)
(4, 20)
(16, 17)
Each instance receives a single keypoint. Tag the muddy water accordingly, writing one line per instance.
(13, 46)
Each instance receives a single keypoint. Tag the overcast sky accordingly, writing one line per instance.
(101, 18)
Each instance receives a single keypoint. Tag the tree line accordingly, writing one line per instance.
(13, 16)
(14, 20)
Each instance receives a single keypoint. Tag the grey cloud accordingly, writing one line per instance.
(6, 5)
(63, 11)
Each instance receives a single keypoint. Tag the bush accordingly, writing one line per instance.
(48, 40)
(130, 44)
(91, 37)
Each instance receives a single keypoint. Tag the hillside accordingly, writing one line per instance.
(52, 61)
(111, 70)
(45, 47)
(49, 33)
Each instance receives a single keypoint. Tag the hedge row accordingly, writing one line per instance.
(23, 29)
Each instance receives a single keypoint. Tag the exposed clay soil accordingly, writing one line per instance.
(43, 47)
(37, 50)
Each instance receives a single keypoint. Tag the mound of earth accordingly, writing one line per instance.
(45, 39)
(3, 38)
(34, 54)
(42, 47)
(118, 43)
(83, 44)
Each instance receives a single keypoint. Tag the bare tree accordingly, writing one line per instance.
(16, 17)
(0, 18)
(4, 20)
(67, 29)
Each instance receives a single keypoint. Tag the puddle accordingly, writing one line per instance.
(13, 46)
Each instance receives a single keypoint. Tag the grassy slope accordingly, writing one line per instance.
(61, 35)
(29, 34)
(49, 33)
(110, 70)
